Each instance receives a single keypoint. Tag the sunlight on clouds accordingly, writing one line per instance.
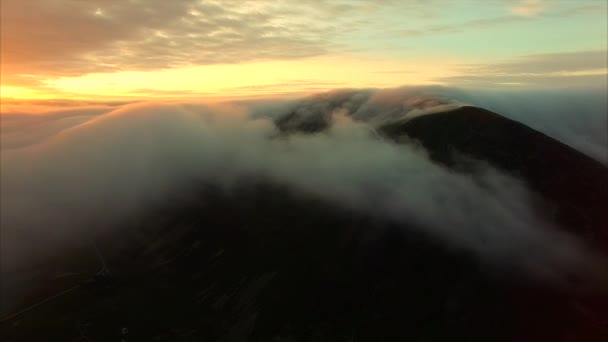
(527, 8)
(23, 93)
(591, 72)
(259, 78)
(238, 48)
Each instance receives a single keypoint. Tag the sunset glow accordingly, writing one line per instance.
(119, 49)
(304, 170)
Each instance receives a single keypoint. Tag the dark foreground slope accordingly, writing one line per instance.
(262, 263)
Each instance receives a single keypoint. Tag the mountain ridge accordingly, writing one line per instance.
(265, 263)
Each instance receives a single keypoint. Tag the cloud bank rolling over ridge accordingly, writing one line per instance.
(72, 174)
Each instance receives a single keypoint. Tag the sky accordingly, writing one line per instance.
(114, 49)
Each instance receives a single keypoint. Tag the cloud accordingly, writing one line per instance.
(461, 27)
(524, 11)
(289, 87)
(394, 72)
(19, 129)
(575, 116)
(530, 81)
(91, 170)
(166, 93)
(50, 39)
(583, 69)
(550, 63)
(527, 8)
(67, 38)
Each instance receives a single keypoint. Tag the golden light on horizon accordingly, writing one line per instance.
(24, 93)
(144, 50)
(245, 79)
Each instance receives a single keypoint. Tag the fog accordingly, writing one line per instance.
(69, 174)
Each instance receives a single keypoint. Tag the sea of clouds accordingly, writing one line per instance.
(70, 171)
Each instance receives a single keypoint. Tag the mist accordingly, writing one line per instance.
(70, 174)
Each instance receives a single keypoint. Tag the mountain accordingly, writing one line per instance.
(264, 263)
(576, 186)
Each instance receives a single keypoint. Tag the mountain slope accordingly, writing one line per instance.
(575, 184)
(263, 263)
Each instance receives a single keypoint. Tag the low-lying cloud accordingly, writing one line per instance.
(74, 173)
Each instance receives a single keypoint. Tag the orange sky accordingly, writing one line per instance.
(111, 49)
(254, 78)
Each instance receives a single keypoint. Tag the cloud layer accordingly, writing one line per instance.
(65, 38)
(579, 70)
(71, 174)
(50, 39)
